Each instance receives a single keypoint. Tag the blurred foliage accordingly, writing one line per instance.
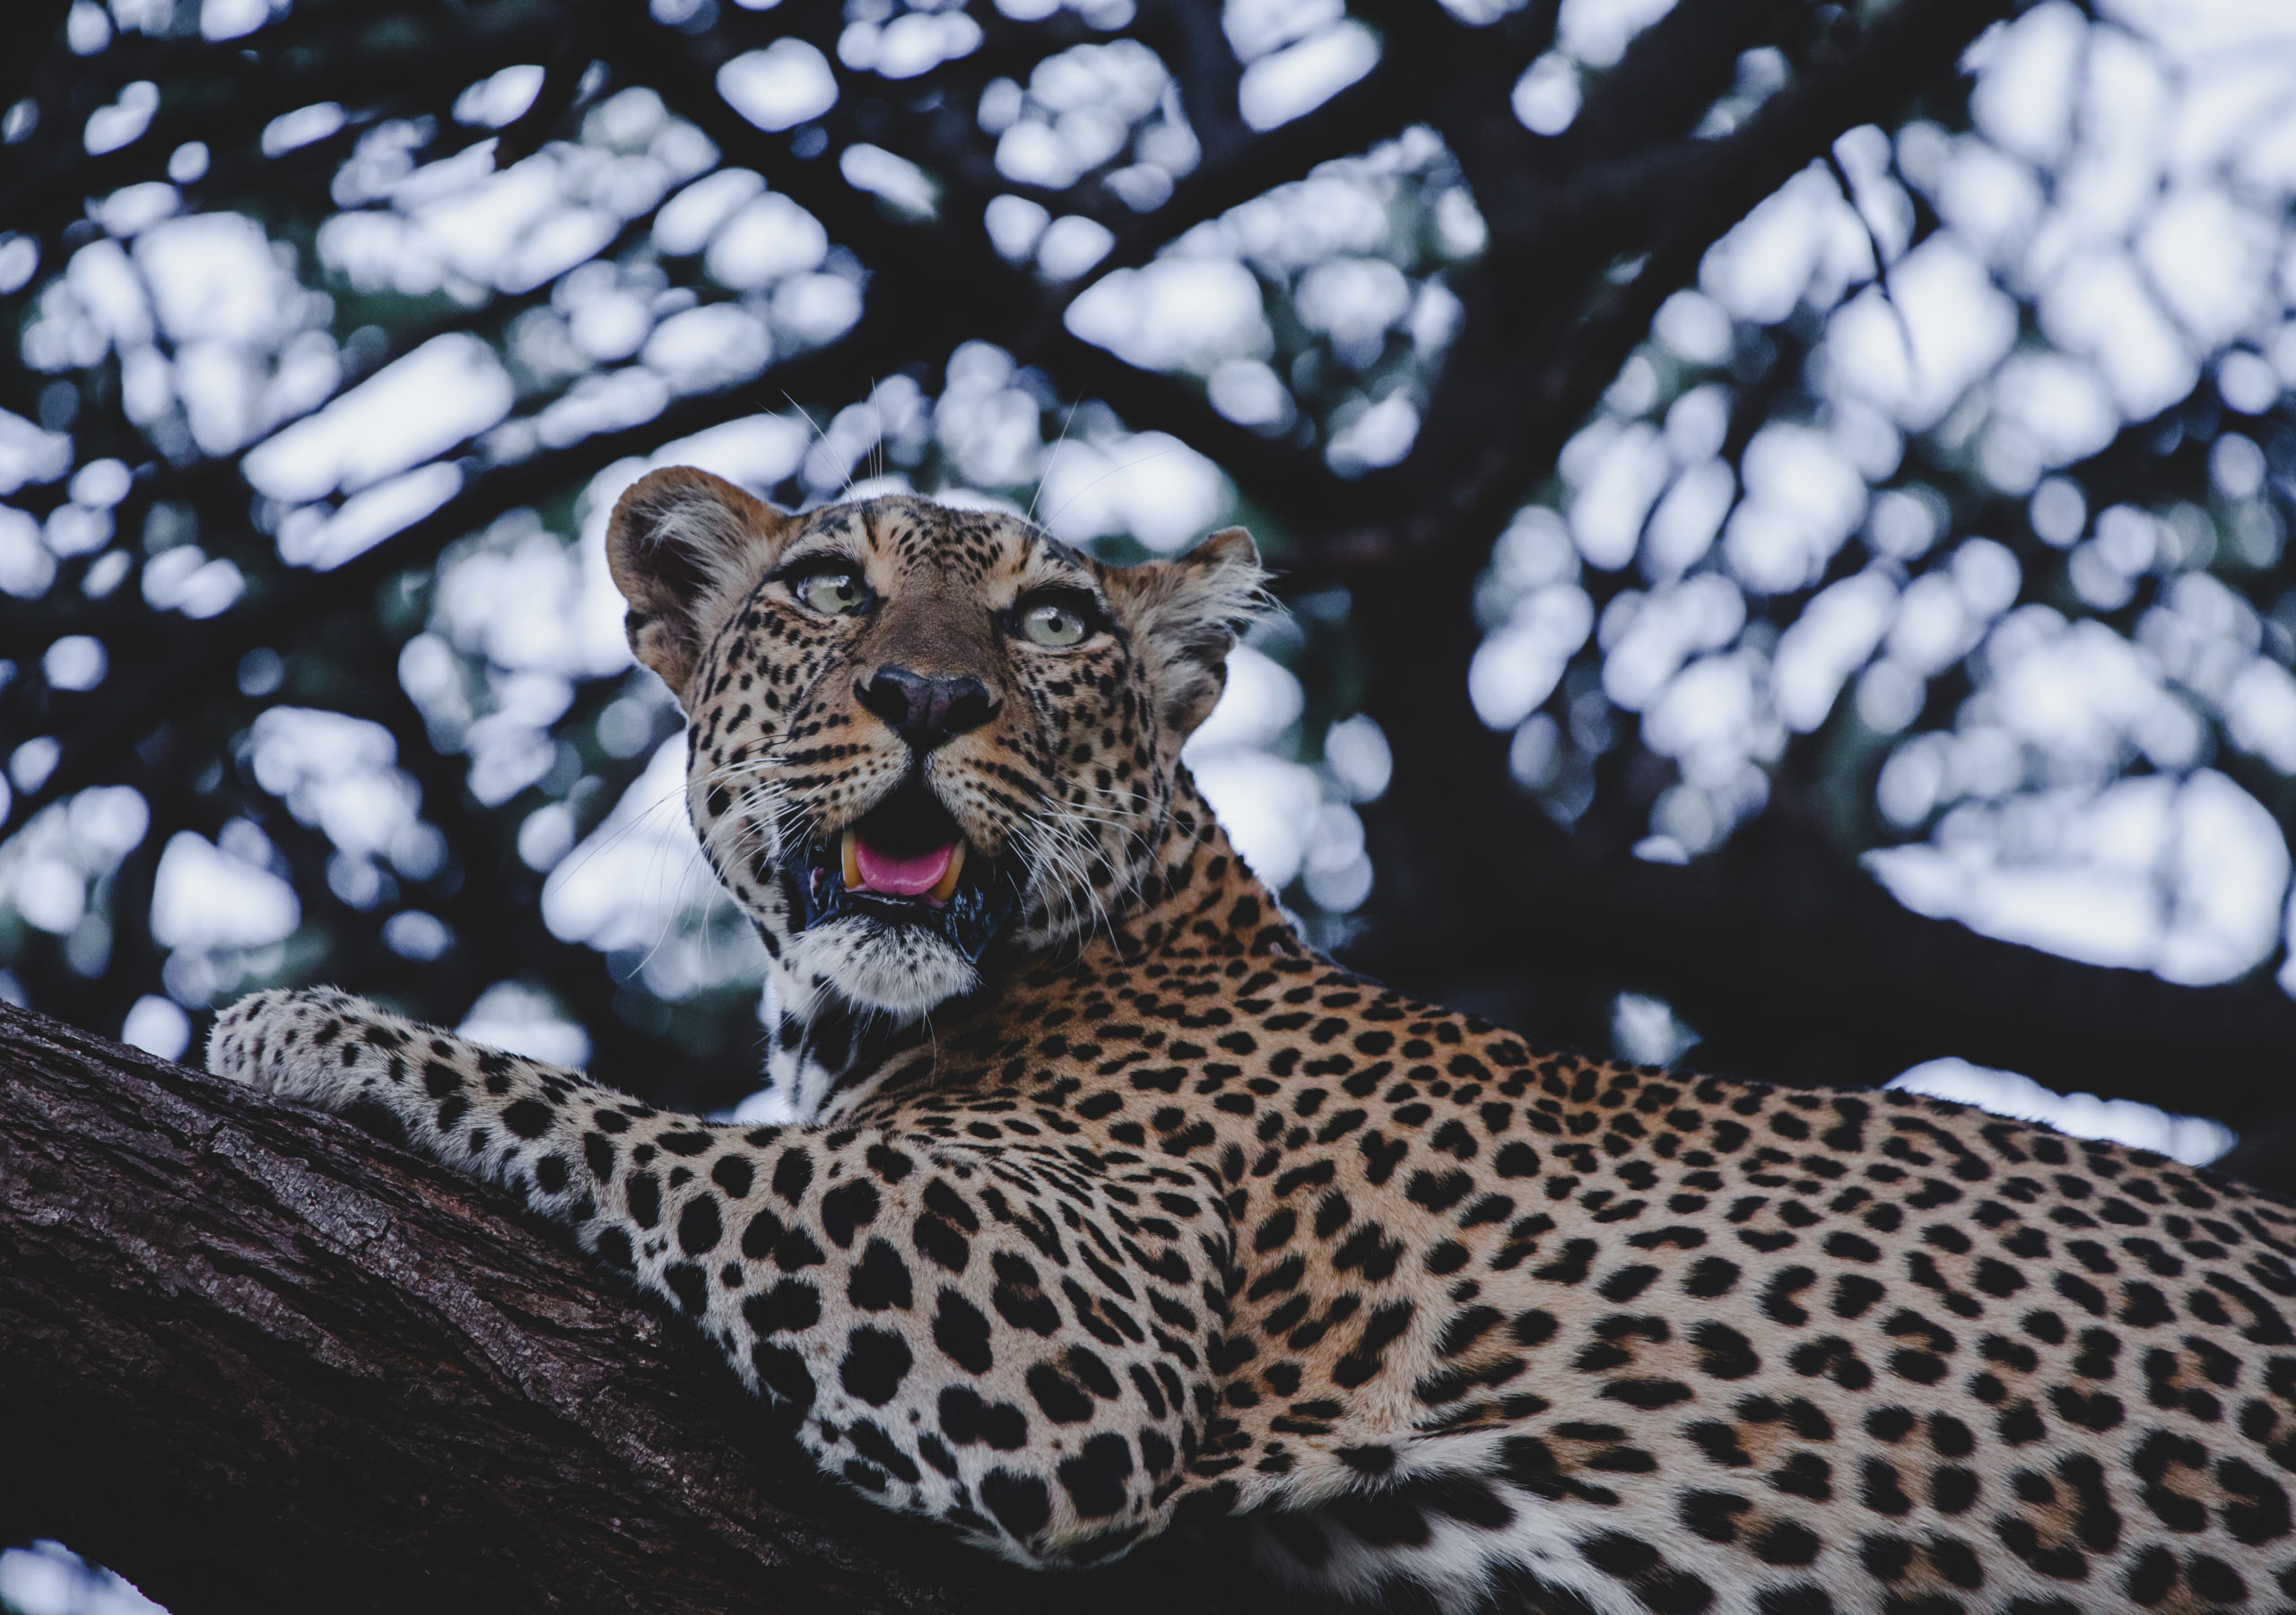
(1947, 492)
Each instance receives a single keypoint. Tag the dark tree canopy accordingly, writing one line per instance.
(1703, 446)
(1783, 505)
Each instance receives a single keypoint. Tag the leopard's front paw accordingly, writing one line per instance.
(292, 1043)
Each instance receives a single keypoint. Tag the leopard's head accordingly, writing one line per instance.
(914, 732)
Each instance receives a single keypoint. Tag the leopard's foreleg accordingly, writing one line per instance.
(909, 1297)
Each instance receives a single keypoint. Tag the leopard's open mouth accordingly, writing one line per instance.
(905, 862)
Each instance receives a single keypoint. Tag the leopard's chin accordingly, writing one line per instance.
(895, 911)
(903, 970)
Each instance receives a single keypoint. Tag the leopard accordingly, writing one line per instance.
(1105, 1204)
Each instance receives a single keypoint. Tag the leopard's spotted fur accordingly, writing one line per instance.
(1171, 1214)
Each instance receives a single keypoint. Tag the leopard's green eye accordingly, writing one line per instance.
(833, 591)
(1055, 624)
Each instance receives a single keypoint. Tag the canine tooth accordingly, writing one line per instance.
(946, 886)
(852, 861)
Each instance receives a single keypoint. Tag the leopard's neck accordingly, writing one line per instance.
(1197, 898)
(1200, 894)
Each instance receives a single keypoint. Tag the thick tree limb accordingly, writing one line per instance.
(1796, 965)
(252, 1358)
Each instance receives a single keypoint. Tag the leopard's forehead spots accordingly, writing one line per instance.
(905, 544)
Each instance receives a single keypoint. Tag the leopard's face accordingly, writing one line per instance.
(916, 733)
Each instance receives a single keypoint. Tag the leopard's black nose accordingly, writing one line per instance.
(928, 713)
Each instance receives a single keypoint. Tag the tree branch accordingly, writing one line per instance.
(202, 655)
(1796, 966)
(1535, 354)
(250, 1357)
(376, 70)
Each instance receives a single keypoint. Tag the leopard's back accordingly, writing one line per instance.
(1494, 1317)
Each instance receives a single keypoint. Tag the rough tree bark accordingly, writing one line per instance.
(252, 1358)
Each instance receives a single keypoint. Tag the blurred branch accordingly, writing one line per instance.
(492, 907)
(2266, 1154)
(225, 98)
(29, 31)
(1550, 321)
(1796, 965)
(1781, 950)
(1670, 73)
(1233, 172)
(252, 1358)
(569, 63)
(203, 656)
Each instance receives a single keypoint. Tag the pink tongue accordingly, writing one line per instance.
(897, 876)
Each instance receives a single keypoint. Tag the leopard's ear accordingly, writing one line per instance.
(1183, 616)
(684, 547)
